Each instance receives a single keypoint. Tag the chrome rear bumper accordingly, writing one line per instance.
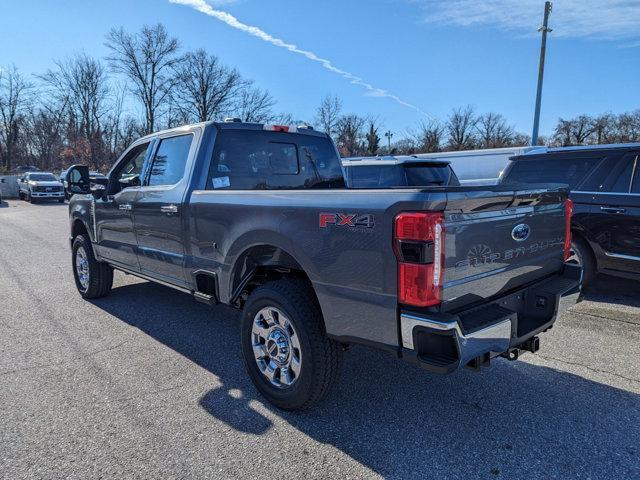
(443, 343)
(494, 339)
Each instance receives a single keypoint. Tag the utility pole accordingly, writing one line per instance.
(543, 50)
(388, 134)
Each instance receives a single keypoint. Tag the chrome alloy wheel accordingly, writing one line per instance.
(82, 268)
(276, 347)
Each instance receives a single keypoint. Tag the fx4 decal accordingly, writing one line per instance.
(346, 220)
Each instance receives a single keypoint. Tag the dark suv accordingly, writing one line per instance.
(605, 188)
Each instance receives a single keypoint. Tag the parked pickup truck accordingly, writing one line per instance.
(258, 217)
(34, 186)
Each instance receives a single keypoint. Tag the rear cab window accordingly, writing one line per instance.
(262, 160)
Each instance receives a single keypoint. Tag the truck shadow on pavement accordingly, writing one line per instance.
(609, 289)
(514, 420)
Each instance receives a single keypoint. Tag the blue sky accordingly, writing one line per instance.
(433, 55)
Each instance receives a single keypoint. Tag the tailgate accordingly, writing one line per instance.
(496, 241)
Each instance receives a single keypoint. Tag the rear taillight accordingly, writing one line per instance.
(567, 228)
(419, 247)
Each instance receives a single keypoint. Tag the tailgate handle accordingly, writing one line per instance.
(613, 209)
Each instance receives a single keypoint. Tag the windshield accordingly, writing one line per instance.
(43, 177)
(403, 175)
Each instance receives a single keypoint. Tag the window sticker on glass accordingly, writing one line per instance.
(221, 182)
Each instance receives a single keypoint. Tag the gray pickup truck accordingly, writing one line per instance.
(258, 217)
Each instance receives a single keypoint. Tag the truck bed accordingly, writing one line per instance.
(353, 268)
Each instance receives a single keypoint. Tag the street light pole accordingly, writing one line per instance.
(543, 50)
(388, 134)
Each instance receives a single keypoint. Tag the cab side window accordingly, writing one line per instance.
(620, 180)
(635, 188)
(170, 160)
(129, 172)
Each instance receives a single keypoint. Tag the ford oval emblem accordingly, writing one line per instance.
(520, 232)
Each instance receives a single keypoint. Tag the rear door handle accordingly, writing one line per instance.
(613, 209)
(169, 209)
(125, 206)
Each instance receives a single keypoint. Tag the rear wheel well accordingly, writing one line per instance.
(269, 273)
(262, 264)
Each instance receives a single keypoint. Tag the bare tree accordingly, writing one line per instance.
(45, 139)
(604, 129)
(113, 121)
(130, 129)
(574, 131)
(206, 89)
(15, 98)
(523, 139)
(286, 119)
(372, 138)
(350, 136)
(254, 105)
(494, 131)
(405, 146)
(428, 136)
(328, 115)
(147, 59)
(460, 127)
(81, 83)
(628, 127)
(121, 128)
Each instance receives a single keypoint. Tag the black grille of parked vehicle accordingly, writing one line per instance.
(47, 189)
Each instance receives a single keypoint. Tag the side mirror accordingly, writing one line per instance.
(77, 178)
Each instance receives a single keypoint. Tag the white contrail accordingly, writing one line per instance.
(204, 7)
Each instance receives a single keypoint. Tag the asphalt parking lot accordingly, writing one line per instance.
(147, 383)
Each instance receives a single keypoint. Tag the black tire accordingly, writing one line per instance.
(21, 195)
(30, 199)
(585, 257)
(61, 200)
(320, 356)
(100, 274)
